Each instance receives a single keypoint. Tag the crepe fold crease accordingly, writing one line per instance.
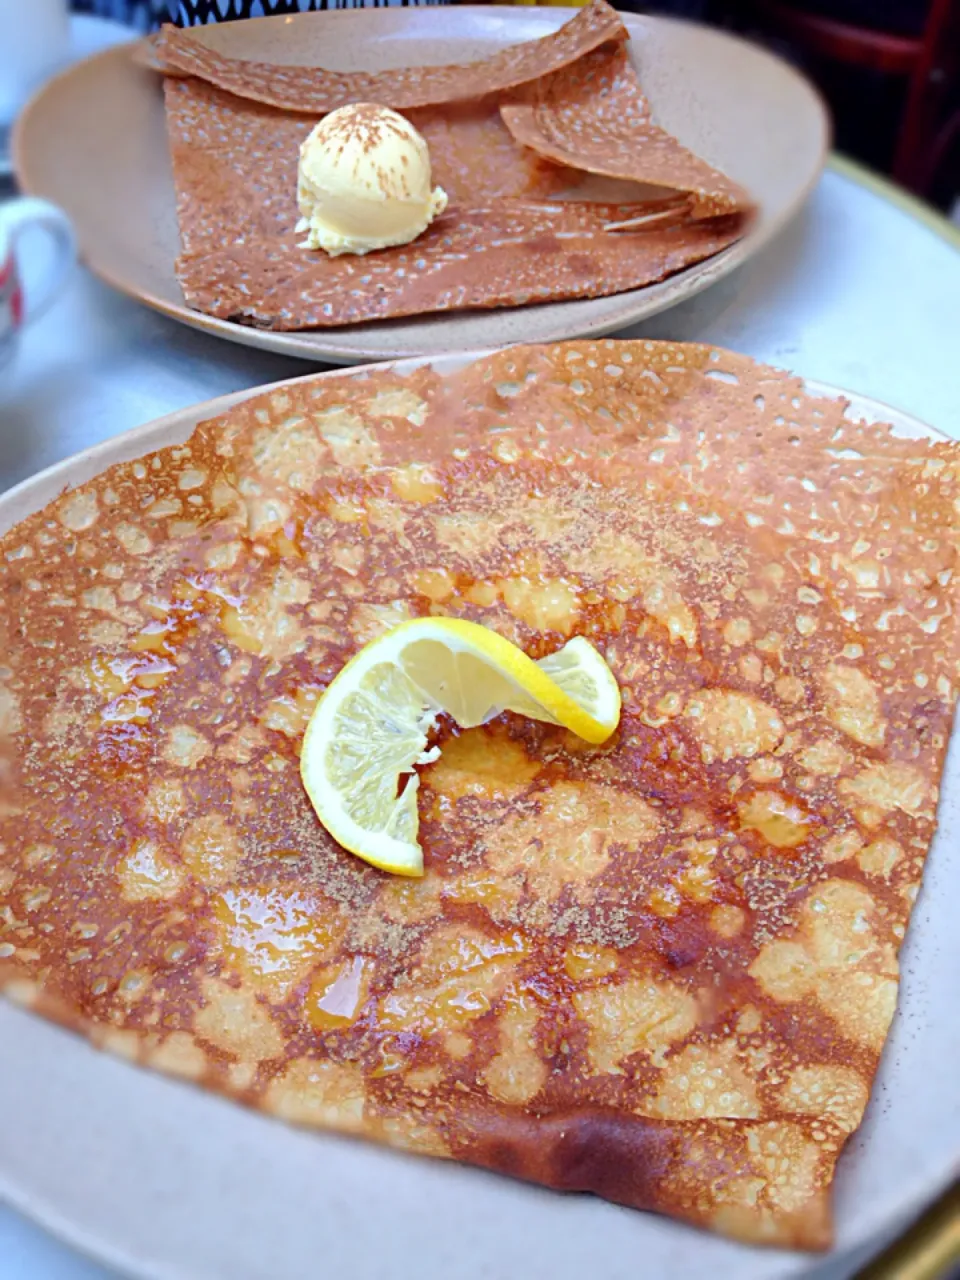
(662, 970)
(558, 119)
(315, 91)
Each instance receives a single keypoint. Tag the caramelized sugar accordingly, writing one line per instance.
(676, 952)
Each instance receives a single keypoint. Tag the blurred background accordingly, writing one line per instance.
(890, 69)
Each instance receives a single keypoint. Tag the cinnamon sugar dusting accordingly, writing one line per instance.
(682, 945)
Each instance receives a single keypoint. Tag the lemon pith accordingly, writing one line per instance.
(371, 726)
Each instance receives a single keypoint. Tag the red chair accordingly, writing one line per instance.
(928, 61)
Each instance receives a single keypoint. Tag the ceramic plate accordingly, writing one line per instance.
(94, 142)
(164, 1180)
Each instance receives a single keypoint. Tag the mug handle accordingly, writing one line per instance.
(28, 213)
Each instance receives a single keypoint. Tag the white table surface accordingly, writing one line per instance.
(856, 292)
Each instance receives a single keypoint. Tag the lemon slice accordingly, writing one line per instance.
(370, 727)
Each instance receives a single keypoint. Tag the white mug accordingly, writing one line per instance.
(34, 41)
(18, 217)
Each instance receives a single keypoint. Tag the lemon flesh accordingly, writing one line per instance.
(370, 728)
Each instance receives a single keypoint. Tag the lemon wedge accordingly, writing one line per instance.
(370, 727)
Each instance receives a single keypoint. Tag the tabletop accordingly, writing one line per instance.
(862, 290)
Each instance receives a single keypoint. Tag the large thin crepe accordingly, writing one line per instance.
(661, 970)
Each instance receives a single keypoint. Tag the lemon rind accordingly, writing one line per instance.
(523, 670)
(397, 856)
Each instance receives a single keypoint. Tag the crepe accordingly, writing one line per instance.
(661, 970)
(503, 255)
(562, 117)
(592, 115)
(317, 91)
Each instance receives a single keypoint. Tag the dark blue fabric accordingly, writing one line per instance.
(190, 12)
(149, 14)
(145, 15)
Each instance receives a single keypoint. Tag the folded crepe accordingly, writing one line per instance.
(559, 119)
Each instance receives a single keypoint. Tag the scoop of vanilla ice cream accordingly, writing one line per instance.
(364, 181)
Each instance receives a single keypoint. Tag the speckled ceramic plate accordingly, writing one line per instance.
(164, 1180)
(94, 142)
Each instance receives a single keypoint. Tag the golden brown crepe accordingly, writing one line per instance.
(509, 136)
(661, 970)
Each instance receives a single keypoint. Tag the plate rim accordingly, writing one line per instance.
(328, 345)
(46, 485)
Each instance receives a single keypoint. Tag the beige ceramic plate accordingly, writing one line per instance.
(94, 142)
(164, 1180)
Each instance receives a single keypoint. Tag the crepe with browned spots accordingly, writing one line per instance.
(661, 970)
